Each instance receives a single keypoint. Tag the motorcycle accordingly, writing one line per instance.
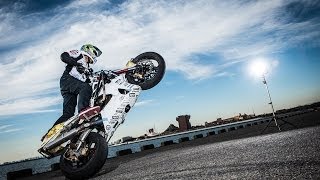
(82, 141)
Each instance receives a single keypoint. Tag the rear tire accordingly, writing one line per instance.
(161, 67)
(93, 165)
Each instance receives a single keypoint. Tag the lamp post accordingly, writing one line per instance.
(259, 68)
(273, 114)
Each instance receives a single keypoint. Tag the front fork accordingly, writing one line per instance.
(82, 138)
(75, 150)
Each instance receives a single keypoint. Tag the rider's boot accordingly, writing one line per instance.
(85, 114)
(52, 132)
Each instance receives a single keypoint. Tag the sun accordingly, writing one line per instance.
(258, 67)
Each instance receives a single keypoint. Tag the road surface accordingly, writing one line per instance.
(285, 155)
(290, 154)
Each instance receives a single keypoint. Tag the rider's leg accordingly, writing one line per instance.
(82, 89)
(85, 93)
(70, 88)
(69, 106)
(69, 101)
(69, 98)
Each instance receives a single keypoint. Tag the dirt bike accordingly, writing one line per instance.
(82, 141)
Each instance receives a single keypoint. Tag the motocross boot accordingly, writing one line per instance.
(52, 132)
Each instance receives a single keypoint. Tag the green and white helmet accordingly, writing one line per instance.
(92, 51)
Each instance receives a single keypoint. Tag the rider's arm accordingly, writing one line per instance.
(66, 58)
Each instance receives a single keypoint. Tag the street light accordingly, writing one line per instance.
(273, 114)
(259, 68)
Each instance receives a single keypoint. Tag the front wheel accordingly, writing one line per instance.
(91, 159)
(152, 70)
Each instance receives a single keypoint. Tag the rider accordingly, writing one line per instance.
(74, 80)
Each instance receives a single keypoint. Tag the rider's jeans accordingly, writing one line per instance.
(70, 88)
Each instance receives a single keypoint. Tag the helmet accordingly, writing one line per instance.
(92, 51)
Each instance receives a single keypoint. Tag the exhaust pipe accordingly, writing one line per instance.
(69, 135)
(65, 137)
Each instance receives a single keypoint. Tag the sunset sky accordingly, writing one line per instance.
(207, 45)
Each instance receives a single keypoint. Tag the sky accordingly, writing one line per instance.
(207, 45)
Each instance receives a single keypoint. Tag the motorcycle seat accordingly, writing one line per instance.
(89, 113)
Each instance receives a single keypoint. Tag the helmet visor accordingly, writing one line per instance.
(96, 51)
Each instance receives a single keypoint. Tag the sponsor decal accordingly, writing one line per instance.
(115, 117)
(127, 109)
(118, 81)
(112, 121)
(74, 52)
(108, 127)
(119, 111)
(132, 95)
(126, 103)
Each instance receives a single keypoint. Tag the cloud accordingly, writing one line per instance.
(224, 74)
(11, 130)
(8, 129)
(5, 126)
(30, 44)
(26, 106)
(143, 103)
(86, 4)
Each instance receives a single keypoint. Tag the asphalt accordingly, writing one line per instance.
(293, 153)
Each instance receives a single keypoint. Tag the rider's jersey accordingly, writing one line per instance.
(79, 58)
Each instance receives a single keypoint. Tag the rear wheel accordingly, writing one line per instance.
(93, 156)
(152, 70)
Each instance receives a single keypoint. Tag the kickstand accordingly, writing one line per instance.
(277, 125)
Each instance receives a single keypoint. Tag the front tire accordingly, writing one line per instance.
(158, 68)
(98, 151)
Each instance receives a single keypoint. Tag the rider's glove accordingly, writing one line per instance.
(80, 68)
(109, 76)
(88, 71)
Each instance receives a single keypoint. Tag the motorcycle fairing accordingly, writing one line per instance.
(124, 96)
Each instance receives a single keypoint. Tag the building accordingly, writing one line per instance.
(124, 140)
(151, 133)
(184, 123)
(170, 130)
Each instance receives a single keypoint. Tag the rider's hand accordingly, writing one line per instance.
(80, 68)
(109, 76)
(88, 72)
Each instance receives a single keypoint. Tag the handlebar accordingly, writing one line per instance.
(107, 75)
(116, 72)
(121, 71)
